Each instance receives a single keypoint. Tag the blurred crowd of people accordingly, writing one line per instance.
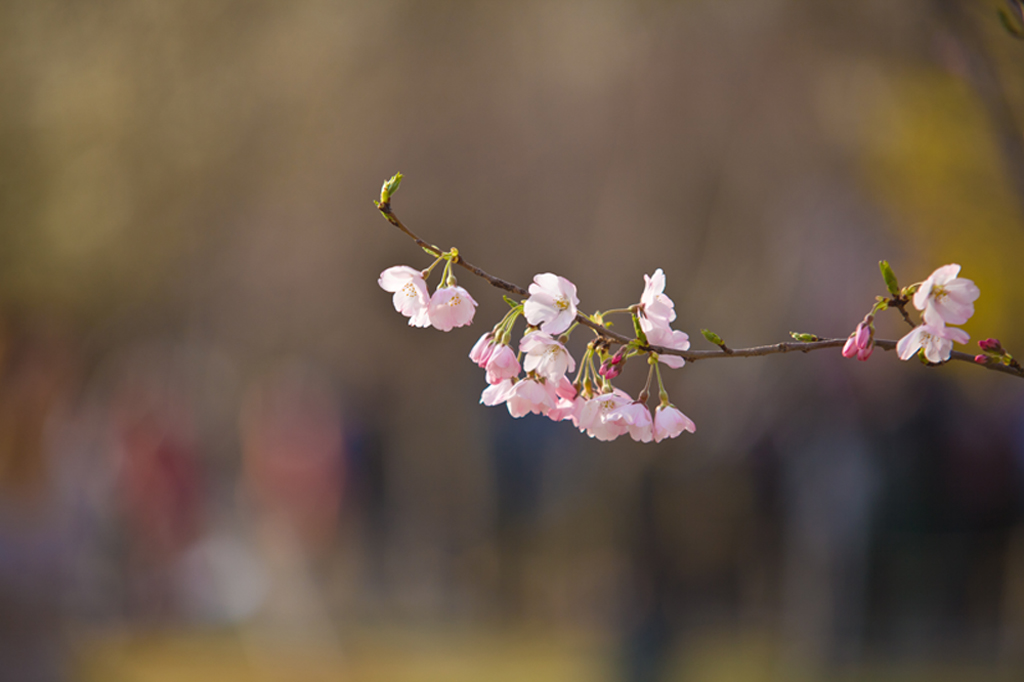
(162, 488)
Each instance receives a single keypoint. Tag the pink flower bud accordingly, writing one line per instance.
(482, 349)
(610, 370)
(863, 335)
(981, 359)
(990, 345)
(613, 366)
(865, 353)
(850, 349)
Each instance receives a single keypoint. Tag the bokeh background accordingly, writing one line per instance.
(223, 456)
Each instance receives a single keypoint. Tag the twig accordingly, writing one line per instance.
(900, 304)
(386, 211)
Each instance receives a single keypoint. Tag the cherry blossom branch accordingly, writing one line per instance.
(693, 355)
(385, 209)
(806, 347)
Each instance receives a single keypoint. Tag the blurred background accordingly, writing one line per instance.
(223, 455)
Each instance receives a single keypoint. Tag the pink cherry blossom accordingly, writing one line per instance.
(482, 349)
(451, 307)
(565, 388)
(659, 335)
(638, 421)
(657, 311)
(552, 303)
(502, 364)
(669, 422)
(946, 298)
(594, 415)
(496, 394)
(566, 409)
(935, 340)
(656, 305)
(410, 291)
(546, 356)
(529, 396)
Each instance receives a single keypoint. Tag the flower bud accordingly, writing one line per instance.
(850, 349)
(981, 359)
(992, 345)
(865, 353)
(863, 335)
(612, 367)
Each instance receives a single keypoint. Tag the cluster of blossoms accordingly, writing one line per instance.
(944, 299)
(590, 401)
(533, 379)
(450, 306)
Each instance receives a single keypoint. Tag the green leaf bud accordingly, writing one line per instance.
(390, 187)
(712, 337)
(890, 278)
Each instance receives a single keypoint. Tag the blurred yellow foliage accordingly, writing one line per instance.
(931, 158)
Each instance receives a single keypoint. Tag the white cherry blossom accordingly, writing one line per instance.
(637, 419)
(552, 303)
(451, 307)
(496, 394)
(935, 340)
(501, 365)
(668, 338)
(529, 396)
(594, 416)
(669, 422)
(656, 304)
(546, 356)
(946, 298)
(410, 289)
(656, 312)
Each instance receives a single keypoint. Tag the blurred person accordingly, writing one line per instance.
(293, 476)
(521, 452)
(37, 375)
(946, 519)
(829, 482)
(687, 525)
(1012, 616)
(161, 486)
(366, 490)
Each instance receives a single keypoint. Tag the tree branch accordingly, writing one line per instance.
(690, 355)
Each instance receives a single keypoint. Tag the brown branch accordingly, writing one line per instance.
(900, 304)
(386, 211)
(790, 347)
(690, 355)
